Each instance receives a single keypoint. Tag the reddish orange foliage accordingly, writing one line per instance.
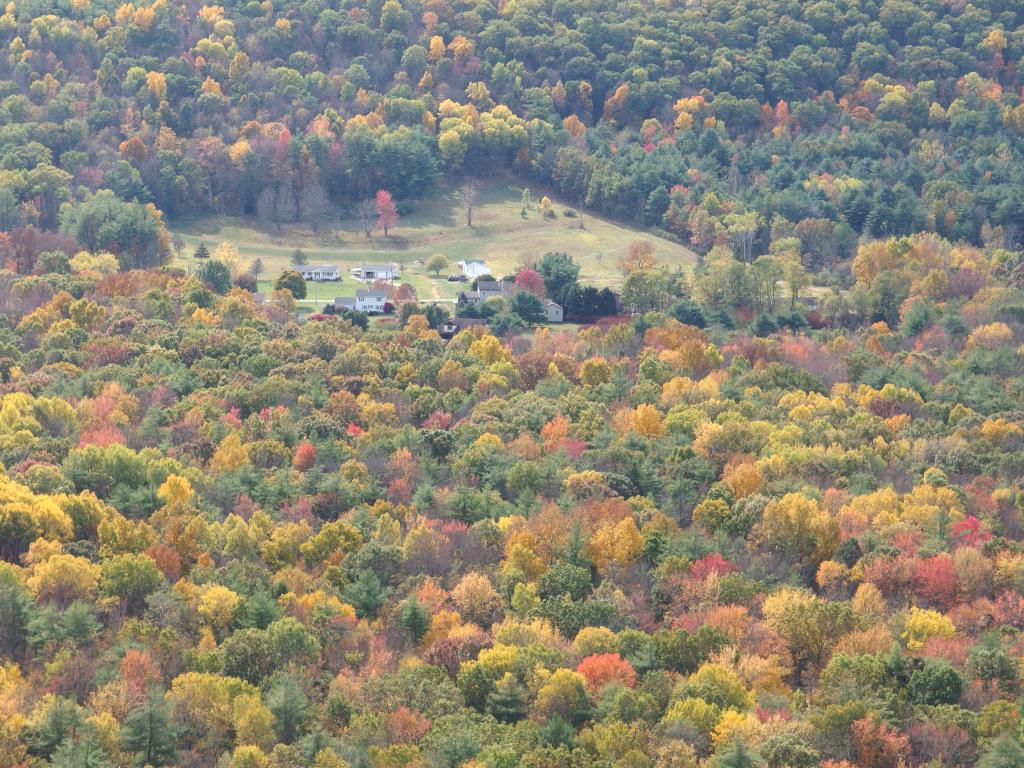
(305, 455)
(603, 668)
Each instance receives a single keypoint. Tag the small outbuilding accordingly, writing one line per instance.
(453, 326)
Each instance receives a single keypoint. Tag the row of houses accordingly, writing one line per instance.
(374, 301)
(329, 273)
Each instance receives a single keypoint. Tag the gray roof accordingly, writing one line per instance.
(318, 266)
(455, 324)
(364, 293)
(377, 267)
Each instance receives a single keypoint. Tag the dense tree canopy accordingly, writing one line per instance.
(709, 121)
(788, 537)
(764, 512)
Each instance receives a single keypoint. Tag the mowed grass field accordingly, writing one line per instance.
(500, 236)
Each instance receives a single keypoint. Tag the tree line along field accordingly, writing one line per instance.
(500, 235)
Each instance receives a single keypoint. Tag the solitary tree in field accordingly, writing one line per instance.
(640, 257)
(525, 201)
(387, 214)
(436, 263)
(468, 201)
(367, 213)
(178, 244)
(299, 258)
(201, 253)
(256, 268)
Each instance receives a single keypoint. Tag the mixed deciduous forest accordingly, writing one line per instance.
(764, 512)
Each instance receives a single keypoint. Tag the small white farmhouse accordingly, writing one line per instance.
(320, 273)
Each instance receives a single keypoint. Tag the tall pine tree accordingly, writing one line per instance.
(149, 733)
(414, 618)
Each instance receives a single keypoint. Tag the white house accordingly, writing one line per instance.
(370, 302)
(320, 273)
(553, 312)
(474, 268)
(371, 272)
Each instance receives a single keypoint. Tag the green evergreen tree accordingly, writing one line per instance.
(507, 703)
(559, 272)
(290, 707)
(476, 684)
(149, 733)
(557, 732)
(527, 306)
(1005, 752)
(736, 754)
(60, 721)
(14, 613)
(260, 611)
(216, 275)
(366, 594)
(414, 618)
(83, 752)
(80, 623)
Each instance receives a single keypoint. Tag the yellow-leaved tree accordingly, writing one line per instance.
(616, 544)
(176, 491)
(800, 528)
(217, 604)
(230, 455)
(25, 516)
(63, 578)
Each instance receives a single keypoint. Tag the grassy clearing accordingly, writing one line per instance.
(499, 235)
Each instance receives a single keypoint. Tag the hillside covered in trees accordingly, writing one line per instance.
(228, 538)
(773, 517)
(842, 118)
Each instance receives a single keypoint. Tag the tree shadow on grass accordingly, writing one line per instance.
(441, 208)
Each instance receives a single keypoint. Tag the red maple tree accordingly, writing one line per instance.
(387, 213)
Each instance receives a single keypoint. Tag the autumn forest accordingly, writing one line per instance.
(743, 488)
